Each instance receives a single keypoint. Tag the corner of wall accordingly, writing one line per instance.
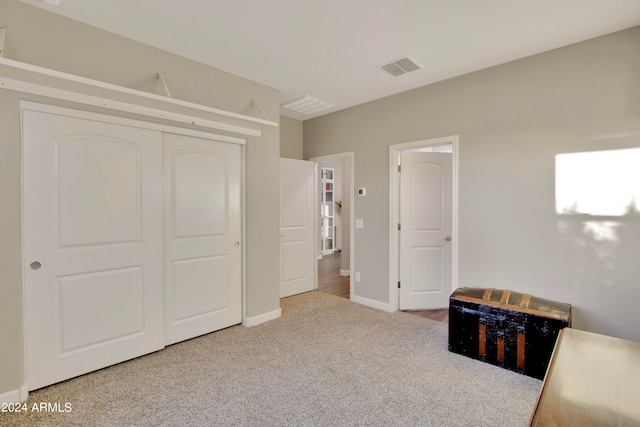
(262, 318)
(15, 396)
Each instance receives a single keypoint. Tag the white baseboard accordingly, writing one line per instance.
(256, 320)
(15, 396)
(345, 272)
(371, 303)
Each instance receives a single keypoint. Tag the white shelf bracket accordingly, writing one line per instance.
(164, 83)
(255, 104)
(2, 32)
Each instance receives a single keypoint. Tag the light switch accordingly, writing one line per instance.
(359, 223)
(362, 191)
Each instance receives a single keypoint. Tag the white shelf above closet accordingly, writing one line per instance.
(27, 78)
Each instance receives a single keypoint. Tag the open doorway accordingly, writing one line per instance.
(423, 223)
(334, 223)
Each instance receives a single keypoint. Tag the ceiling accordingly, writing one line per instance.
(331, 49)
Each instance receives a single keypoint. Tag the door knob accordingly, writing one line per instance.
(236, 244)
(35, 265)
(448, 238)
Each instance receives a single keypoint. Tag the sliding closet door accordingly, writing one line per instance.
(202, 226)
(92, 245)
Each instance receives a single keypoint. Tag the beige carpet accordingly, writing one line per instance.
(325, 362)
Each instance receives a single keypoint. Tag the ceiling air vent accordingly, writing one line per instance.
(401, 66)
(308, 105)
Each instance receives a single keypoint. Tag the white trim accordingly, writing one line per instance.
(350, 156)
(394, 150)
(371, 303)
(243, 237)
(66, 95)
(57, 75)
(23, 288)
(15, 396)
(262, 318)
(316, 208)
(106, 118)
(345, 272)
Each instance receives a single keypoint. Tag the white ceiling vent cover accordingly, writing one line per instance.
(401, 66)
(308, 105)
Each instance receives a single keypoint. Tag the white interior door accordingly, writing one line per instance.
(297, 230)
(92, 245)
(202, 234)
(426, 226)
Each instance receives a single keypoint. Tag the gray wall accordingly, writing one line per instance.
(290, 138)
(41, 38)
(512, 120)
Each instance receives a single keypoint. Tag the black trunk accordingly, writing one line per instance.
(505, 328)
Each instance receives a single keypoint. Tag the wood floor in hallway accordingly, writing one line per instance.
(331, 282)
(329, 279)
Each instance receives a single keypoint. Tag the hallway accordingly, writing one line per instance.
(330, 282)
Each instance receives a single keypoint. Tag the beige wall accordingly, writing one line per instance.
(41, 38)
(512, 121)
(290, 138)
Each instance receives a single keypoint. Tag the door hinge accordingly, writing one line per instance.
(398, 284)
(399, 167)
(399, 227)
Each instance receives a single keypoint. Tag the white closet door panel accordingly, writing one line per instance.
(200, 286)
(92, 193)
(88, 299)
(95, 205)
(202, 234)
(199, 194)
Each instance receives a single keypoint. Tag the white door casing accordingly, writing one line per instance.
(202, 235)
(425, 270)
(297, 230)
(93, 254)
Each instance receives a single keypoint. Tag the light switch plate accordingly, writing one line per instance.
(362, 191)
(359, 223)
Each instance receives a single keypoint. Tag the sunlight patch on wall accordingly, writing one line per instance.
(601, 230)
(601, 183)
(596, 237)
